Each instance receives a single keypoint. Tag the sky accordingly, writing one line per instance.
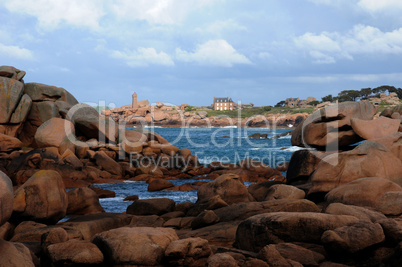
(188, 51)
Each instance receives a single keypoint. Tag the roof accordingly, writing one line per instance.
(222, 99)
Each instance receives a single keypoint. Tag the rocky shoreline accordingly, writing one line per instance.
(339, 205)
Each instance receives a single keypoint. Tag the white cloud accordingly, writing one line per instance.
(382, 77)
(380, 5)
(51, 13)
(214, 52)
(219, 26)
(157, 11)
(143, 57)
(264, 55)
(15, 52)
(329, 47)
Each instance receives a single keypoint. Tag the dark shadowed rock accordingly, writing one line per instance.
(82, 201)
(188, 252)
(6, 198)
(153, 206)
(15, 254)
(356, 211)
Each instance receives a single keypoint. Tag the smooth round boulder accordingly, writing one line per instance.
(282, 191)
(42, 198)
(9, 143)
(15, 254)
(159, 184)
(53, 132)
(372, 129)
(6, 198)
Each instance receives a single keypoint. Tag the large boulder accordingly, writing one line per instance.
(54, 132)
(282, 191)
(391, 203)
(353, 237)
(361, 213)
(88, 122)
(372, 129)
(362, 192)
(83, 201)
(8, 143)
(10, 94)
(369, 159)
(43, 92)
(159, 184)
(330, 127)
(277, 227)
(132, 141)
(6, 198)
(15, 254)
(42, 198)
(74, 253)
(153, 206)
(227, 186)
(135, 246)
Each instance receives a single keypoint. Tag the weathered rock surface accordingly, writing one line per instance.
(74, 252)
(11, 91)
(277, 227)
(42, 198)
(9, 143)
(282, 191)
(107, 163)
(356, 211)
(369, 159)
(222, 260)
(331, 127)
(82, 201)
(227, 186)
(390, 203)
(353, 237)
(362, 192)
(43, 92)
(159, 184)
(6, 198)
(15, 254)
(188, 252)
(135, 246)
(372, 129)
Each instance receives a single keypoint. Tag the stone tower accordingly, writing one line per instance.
(134, 104)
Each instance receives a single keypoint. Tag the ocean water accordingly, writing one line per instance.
(209, 144)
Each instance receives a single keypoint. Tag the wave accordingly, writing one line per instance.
(293, 148)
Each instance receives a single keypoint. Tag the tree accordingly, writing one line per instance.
(399, 93)
(313, 103)
(365, 93)
(280, 104)
(328, 98)
(349, 95)
(266, 108)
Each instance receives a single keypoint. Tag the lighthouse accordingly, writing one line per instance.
(134, 104)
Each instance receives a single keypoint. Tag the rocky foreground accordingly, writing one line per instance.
(340, 205)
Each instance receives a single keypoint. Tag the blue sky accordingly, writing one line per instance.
(188, 51)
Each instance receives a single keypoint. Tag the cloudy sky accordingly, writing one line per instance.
(188, 51)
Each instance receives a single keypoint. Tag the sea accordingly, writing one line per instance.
(225, 144)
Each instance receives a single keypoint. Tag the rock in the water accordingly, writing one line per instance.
(353, 237)
(10, 93)
(277, 227)
(153, 206)
(135, 246)
(8, 143)
(378, 128)
(42, 198)
(362, 192)
(188, 252)
(53, 132)
(74, 252)
(228, 187)
(330, 127)
(83, 201)
(6, 198)
(15, 254)
(369, 159)
(159, 184)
